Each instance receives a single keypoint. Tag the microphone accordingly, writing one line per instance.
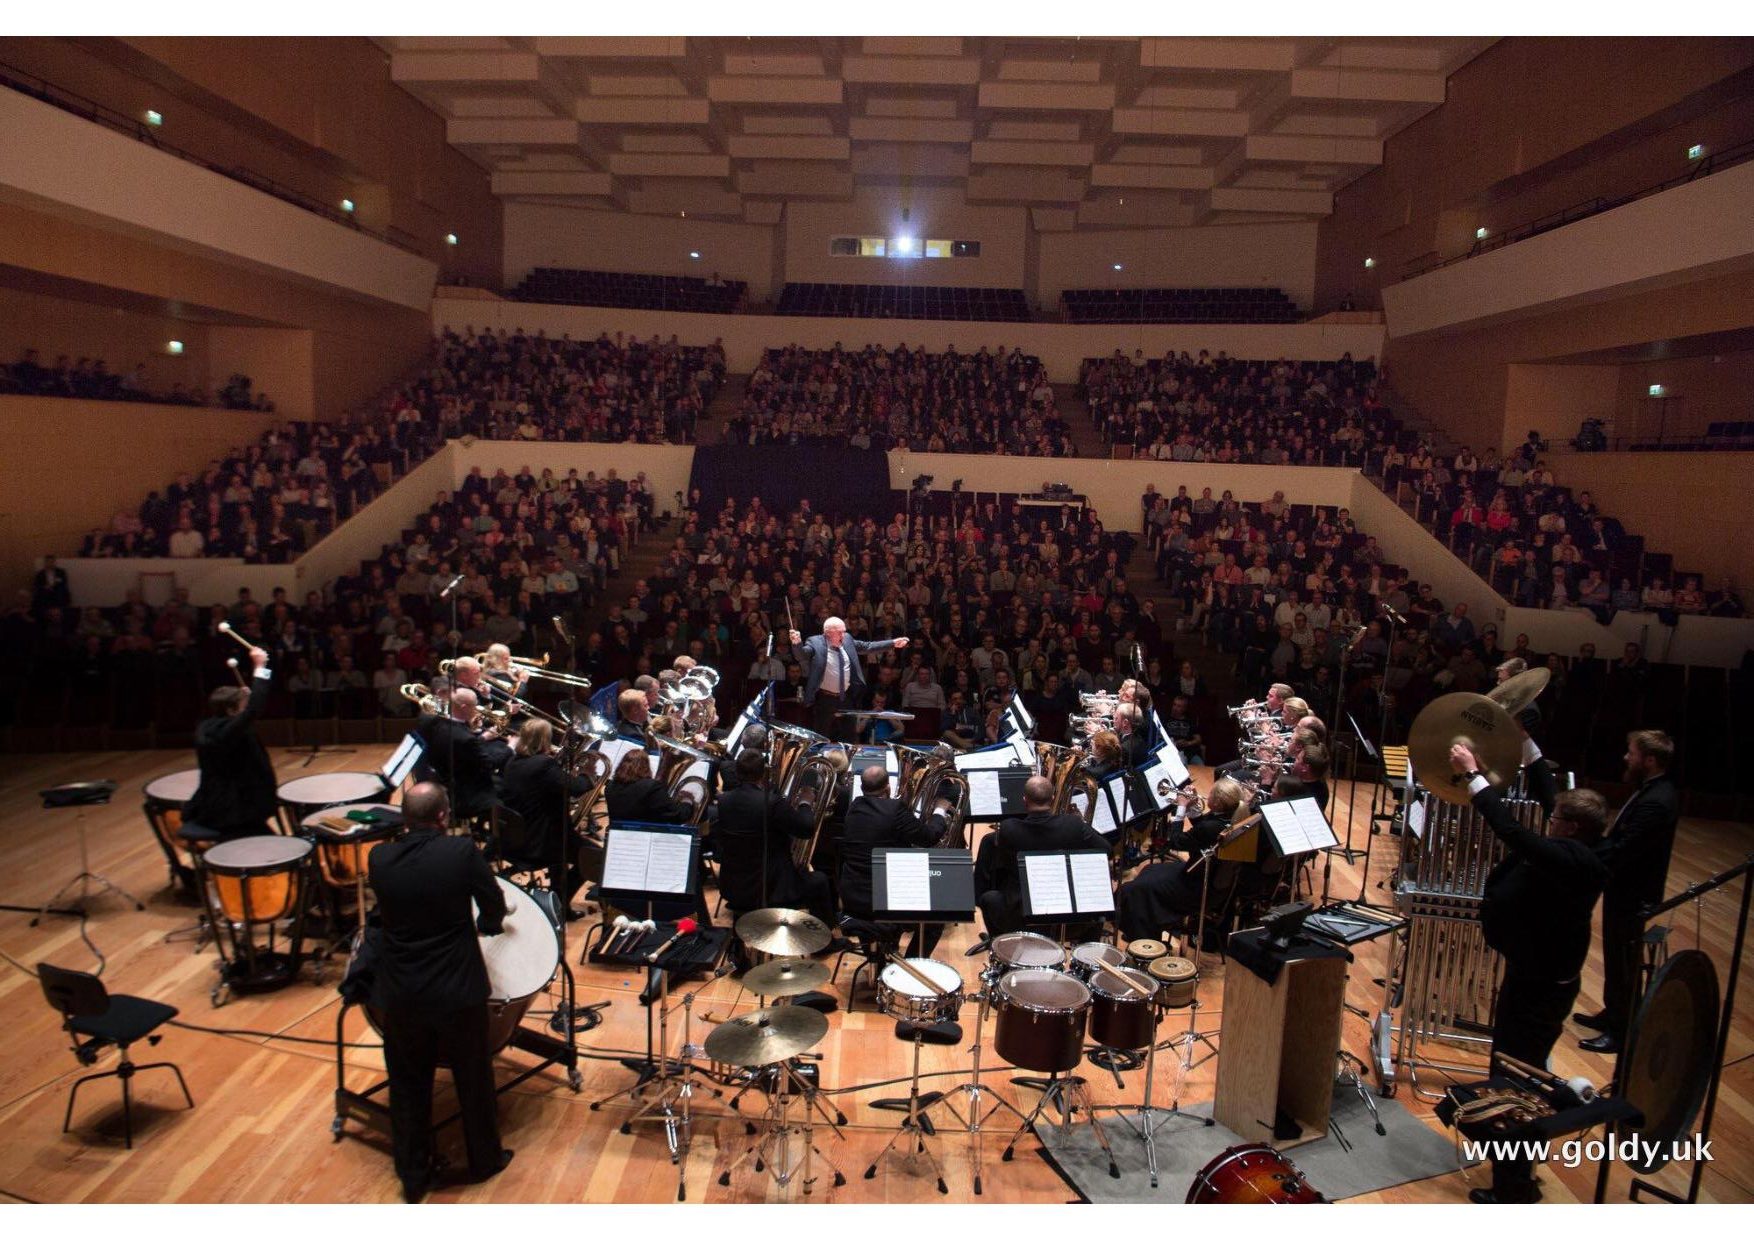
(1392, 614)
(455, 582)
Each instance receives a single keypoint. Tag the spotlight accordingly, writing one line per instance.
(155, 119)
(1117, 266)
(694, 253)
(450, 238)
(904, 245)
(1696, 151)
(1479, 234)
(347, 205)
(174, 347)
(1369, 263)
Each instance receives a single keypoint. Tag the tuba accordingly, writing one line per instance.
(936, 778)
(676, 772)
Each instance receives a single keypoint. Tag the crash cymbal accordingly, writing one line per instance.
(789, 976)
(757, 1039)
(1520, 690)
(1477, 721)
(783, 932)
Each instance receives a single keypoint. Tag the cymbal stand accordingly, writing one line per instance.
(916, 1126)
(772, 1148)
(672, 1105)
(975, 1092)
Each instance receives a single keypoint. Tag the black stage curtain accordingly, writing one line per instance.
(837, 481)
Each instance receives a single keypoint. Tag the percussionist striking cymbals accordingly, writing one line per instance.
(1475, 721)
(757, 1039)
(783, 932)
(778, 979)
(1520, 690)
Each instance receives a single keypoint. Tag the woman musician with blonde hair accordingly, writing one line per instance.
(535, 786)
(1165, 893)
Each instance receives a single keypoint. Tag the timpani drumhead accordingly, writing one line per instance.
(521, 960)
(333, 788)
(256, 879)
(265, 853)
(177, 788)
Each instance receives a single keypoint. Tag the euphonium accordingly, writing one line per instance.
(938, 779)
(815, 786)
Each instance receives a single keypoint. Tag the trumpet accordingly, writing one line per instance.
(523, 662)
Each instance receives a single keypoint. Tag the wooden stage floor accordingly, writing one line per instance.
(260, 1131)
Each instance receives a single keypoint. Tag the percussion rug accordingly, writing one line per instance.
(1411, 1151)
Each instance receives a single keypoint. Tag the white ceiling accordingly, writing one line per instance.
(1087, 133)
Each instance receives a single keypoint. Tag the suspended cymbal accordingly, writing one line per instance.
(1516, 693)
(783, 932)
(1475, 720)
(757, 1039)
(790, 976)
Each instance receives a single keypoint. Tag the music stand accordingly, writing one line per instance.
(78, 796)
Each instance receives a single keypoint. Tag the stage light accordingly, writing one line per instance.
(174, 347)
(904, 245)
(450, 238)
(1117, 266)
(1657, 389)
(155, 119)
(1696, 151)
(694, 253)
(1479, 234)
(347, 205)
(1369, 263)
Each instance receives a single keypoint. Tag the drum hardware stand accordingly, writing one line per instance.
(1148, 1119)
(916, 1125)
(779, 1130)
(1070, 1095)
(97, 793)
(767, 1080)
(673, 1103)
(1352, 1072)
(975, 1092)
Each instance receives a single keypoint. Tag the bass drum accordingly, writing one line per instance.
(521, 960)
(1252, 1175)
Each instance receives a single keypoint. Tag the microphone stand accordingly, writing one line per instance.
(1382, 733)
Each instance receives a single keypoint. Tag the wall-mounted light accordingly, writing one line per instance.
(450, 238)
(1369, 263)
(155, 119)
(1117, 266)
(1658, 390)
(1696, 151)
(694, 253)
(174, 347)
(347, 205)
(1479, 234)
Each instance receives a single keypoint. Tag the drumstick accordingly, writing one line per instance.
(616, 929)
(684, 927)
(1134, 983)
(923, 979)
(239, 676)
(236, 636)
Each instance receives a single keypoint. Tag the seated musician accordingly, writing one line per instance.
(1165, 894)
(879, 731)
(752, 838)
(634, 710)
(829, 843)
(635, 795)
(877, 820)
(535, 787)
(1106, 755)
(237, 794)
(1129, 726)
(459, 757)
(996, 869)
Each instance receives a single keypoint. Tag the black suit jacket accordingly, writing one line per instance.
(238, 791)
(997, 867)
(738, 836)
(1637, 847)
(540, 792)
(460, 760)
(643, 800)
(1538, 900)
(428, 956)
(872, 823)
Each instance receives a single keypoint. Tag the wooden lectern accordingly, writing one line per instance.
(1281, 1047)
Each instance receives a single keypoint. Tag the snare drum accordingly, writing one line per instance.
(1252, 1175)
(1022, 949)
(1177, 980)
(1087, 959)
(1141, 952)
(1121, 1017)
(302, 797)
(1042, 1013)
(257, 881)
(901, 995)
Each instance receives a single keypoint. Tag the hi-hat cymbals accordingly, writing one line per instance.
(757, 1039)
(778, 979)
(1474, 720)
(783, 932)
(1520, 690)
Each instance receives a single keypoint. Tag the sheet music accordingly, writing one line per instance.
(699, 767)
(735, 736)
(859, 787)
(1298, 826)
(1022, 751)
(1049, 891)
(1166, 763)
(1110, 810)
(908, 880)
(987, 759)
(1416, 819)
(615, 749)
(402, 763)
(1092, 891)
(626, 858)
(668, 868)
(984, 797)
(1025, 721)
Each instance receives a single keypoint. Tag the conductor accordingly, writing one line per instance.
(430, 986)
(833, 680)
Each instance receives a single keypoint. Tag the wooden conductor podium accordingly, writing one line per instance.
(1281, 1043)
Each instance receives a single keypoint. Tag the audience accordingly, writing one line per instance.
(91, 379)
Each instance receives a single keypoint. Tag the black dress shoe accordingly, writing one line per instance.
(1491, 1197)
(413, 1192)
(505, 1160)
(1597, 1021)
(1601, 1044)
